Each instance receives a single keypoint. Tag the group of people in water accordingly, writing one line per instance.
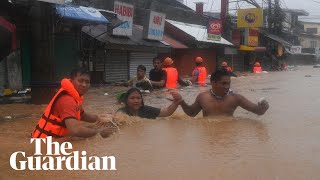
(63, 114)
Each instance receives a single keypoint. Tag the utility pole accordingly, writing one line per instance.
(269, 15)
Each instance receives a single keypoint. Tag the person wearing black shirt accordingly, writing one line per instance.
(157, 76)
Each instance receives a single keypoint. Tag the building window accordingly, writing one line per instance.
(312, 30)
(313, 44)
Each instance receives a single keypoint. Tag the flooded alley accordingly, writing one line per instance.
(281, 144)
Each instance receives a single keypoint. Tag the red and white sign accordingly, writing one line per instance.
(214, 30)
(125, 13)
(155, 28)
(215, 27)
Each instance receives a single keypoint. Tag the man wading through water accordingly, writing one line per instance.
(220, 100)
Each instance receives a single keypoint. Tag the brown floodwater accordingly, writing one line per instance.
(282, 144)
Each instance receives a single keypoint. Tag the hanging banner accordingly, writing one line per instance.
(250, 18)
(154, 26)
(125, 13)
(214, 30)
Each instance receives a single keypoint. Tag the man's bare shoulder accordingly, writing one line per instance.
(203, 95)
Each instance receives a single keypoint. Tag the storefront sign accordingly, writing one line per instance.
(250, 18)
(296, 49)
(125, 13)
(253, 37)
(214, 30)
(154, 26)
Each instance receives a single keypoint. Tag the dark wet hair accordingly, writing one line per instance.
(80, 70)
(216, 76)
(130, 91)
(142, 67)
(156, 58)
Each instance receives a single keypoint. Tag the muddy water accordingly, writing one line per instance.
(282, 144)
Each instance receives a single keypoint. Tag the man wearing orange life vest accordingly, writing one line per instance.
(257, 68)
(199, 74)
(63, 114)
(172, 75)
(224, 65)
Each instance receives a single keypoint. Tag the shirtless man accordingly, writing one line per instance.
(220, 100)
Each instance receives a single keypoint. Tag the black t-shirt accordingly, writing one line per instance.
(144, 112)
(157, 75)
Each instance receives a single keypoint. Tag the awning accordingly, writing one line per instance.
(174, 43)
(249, 48)
(99, 32)
(198, 32)
(275, 38)
(81, 14)
(8, 36)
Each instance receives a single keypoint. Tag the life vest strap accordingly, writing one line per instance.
(53, 121)
(46, 132)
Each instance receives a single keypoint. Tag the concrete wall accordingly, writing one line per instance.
(305, 41)
(312, 25)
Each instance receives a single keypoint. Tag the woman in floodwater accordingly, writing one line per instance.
(134, 105)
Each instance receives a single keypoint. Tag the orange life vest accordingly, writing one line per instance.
(257, 69)
(172, 77)
(202, 75)
(51, 125)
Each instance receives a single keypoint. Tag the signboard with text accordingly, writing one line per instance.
(125, 13)
(249, 18)
(154, 27)
(214, 30)
(253, 37)
(296, 49)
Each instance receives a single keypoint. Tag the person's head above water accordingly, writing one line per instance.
(220, 81)
(133, 99)
(80, 78)
(167, 62)
(141, 71)
(157, 64)
(199, 61)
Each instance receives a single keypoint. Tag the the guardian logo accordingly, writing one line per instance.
(62, 158)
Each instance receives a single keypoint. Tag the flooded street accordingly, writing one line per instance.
(282, 144)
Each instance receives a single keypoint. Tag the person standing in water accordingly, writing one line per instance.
(199, 74)
(134, 105)
(224, 66)
(63, 114)
(157, 75)
(220, 100)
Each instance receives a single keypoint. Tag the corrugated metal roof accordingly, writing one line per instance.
(99, 32)
(197, 31)
(174, 43)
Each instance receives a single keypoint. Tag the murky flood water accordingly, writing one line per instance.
(282, 144)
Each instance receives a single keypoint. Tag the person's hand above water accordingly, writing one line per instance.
(176, 96)
(263, 104)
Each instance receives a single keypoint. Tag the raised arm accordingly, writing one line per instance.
(168, 111)
(191, 110)
(258, 109)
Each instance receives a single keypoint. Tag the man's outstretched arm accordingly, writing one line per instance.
(258, 109)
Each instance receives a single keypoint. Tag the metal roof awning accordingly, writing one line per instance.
(80, 13)
(174, 43)
(99, 32)
(275, 38)
(198, 32)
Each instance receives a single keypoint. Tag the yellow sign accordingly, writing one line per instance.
(250, 18)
